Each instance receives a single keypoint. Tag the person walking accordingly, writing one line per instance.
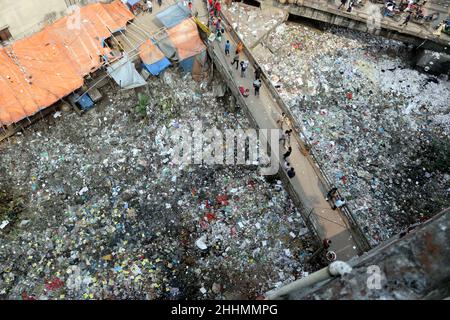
(284, 120)
(257, 85)
(258, 73)
(339, 204)
(350, 6)
(408, 17)
(227, 48)
(160, 3)
(149, 6)
(287, 154)
(219, 35)
(236, 60)
(326, 243)
(343, 3)
(291, 173)
(217, 8)
(218, 24)
(240, 47)
(331, 193)
(244, 66)
(286, 138)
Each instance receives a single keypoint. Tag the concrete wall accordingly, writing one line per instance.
(415, 266)
(25, 17)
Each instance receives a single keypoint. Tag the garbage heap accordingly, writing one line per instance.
(379, 127)
(253, 23)
(95, 209)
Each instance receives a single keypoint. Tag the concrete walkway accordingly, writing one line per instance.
(331, 224)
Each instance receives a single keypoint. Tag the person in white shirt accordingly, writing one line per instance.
(339, 204)
(149, 6)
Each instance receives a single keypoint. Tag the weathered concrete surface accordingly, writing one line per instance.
(253, 27)
(415, 266)
(326, 11)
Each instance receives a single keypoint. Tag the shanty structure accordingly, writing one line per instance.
(39, 70)
(44, 68)
(152, 58)
(173, 15)
(125, 74)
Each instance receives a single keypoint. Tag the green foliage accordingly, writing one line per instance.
(10, 207)
(141, 107)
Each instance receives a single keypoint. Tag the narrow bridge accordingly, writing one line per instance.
(309, 186)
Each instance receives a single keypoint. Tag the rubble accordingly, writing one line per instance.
(107, 215)
(379, 128)
(253, 24)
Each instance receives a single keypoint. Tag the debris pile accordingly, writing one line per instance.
(105, 214)
(253, 24)
(380, 128)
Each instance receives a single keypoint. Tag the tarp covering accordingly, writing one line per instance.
(173, 15)
(38, 71)
(150, 53)
(83, 33)
(153, 59)
(125, 74)
(167, 48)
(186, 39)
(86, 102)
(187, 64)
(132, 2)
(34, 75)
(158, 67)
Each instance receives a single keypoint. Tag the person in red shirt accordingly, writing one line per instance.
(190, 5)
(217, 8)
(326, 243)
(245, 92)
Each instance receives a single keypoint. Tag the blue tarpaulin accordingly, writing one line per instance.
(157, 67)
(173, 15)
(187, 64)
(132, 2)
(86, 102)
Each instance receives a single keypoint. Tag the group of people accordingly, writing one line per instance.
(413, 8)
(214, 21)
(214, 7)
(351, 4)
(337, 202)
(330, 255)
(244, 65)
(146, 6)
(444, 26)
(285, 141)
